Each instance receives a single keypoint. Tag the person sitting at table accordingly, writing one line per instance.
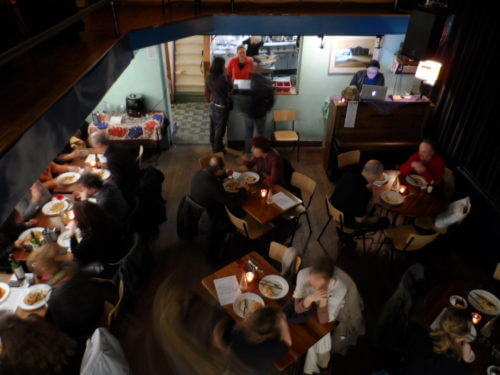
(426, 163)
(102, 239)
(369, 76)
(48, 177)
(106, 194)
(266, 160)
(353, 196)
(441, 351)
(47, 268)
(34, 346)
(32, 201)
(121, 163)
(207, 191)
(317, 286)
(240, 66)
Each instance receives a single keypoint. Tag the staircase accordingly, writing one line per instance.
(189, 75)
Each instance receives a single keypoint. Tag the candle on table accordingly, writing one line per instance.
(402, 189)
(250, 276)
(263, 193)
(476, 318)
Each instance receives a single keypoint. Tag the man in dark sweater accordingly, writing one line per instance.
(370, 76)
(207, 191)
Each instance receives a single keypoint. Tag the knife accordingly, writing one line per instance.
(272, 285)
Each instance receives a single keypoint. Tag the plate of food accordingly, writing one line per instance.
(247, 303)
(32, 236)
(4, 291)
(273, 287)
(55, 207)
(231, 186)
(36, 296)
(103, 174)
(382, 179)
(68, 178)
(249, 178)
(64, 239)
(416, 180)
(484, 301)
(458, 302)
(392, 197)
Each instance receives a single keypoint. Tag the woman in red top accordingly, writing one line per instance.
(240, 66)
(426, 162)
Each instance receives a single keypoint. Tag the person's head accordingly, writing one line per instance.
(255, 39)
(99, 140)
(34, 344)
(241, 52)
(260, 146)
(91, 183)
(321, 272)
(372, 170)
(216, 165)
(426, 150)
(43, 261)
(372, 69)
(454, 326)
(92, 219)
(262, 325)
(218, 67)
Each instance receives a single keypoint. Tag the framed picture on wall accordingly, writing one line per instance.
(348, 54)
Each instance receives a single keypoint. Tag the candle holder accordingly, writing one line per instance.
(402, 189)
(250, 276)
(476, 318)
(263, 193)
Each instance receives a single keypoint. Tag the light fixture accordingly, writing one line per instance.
(428, 71)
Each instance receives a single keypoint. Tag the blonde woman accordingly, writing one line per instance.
(48, 269)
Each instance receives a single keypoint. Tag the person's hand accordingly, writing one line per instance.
(36, 193)
(246, 157)
(77, 195)
(32, 223)
(83, 195)
(19, 243)
(317, 295)
(467, 352)
(229, 172)
(418, 166)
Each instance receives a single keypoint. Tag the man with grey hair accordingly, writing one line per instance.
(353, 197)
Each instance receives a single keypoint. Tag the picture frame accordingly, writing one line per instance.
(348, 54)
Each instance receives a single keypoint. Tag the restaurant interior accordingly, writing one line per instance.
(328, 203)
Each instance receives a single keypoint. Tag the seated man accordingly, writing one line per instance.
(426, 162)
(353, 197)
(267, 161)
(106, 194)
(48, 177)
(207, 191)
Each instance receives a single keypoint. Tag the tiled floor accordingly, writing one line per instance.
(192, 123)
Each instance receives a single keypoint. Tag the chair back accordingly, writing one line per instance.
(306, 184)
(338, 216)
(277, 252)
(205, 159)
(284, 115)
(348, 158)
(240, 224)
(448, 182)
(139, 155)
(116, 308)
(417, 241)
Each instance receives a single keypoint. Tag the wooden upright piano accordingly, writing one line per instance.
(379, 126)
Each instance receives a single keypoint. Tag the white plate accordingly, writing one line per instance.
(491, 297)
(416, 180)
(47, 207)
(35, 288)
(6, 289)
(23, 235)
(250, 297)
(392, 197)
(382, 183)
(245, 176)
(71, 177)
(101, 157)
(277, 280)
(64, 239)
(455, 298)
(490, 370)
(230, 181)
(103, 174)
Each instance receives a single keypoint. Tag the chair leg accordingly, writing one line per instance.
(380, 247)
(308, 222)
(294, 230)
(298, 149)
(328, 222)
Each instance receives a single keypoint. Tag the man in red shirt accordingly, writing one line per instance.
(240, 66)
(426, 162)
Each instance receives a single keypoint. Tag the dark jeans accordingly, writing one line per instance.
(250, 124)
(362, 228)
(218, 124)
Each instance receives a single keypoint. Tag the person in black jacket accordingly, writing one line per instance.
(369, 76)
(219, 86)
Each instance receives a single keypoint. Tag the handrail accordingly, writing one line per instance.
(25, 46)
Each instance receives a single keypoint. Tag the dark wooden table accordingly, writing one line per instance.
(303, 335)
(5, 277)
(417, 202)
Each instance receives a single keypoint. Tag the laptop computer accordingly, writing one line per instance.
(372, 92)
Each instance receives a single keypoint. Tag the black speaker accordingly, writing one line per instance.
(423, 33)
(135, 105)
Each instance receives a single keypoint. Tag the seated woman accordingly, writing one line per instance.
(102, 240)
(266, 160)
(443, 351)
(257, 342)
(317, 286)
(34, 346)
(47, 269)
(48, 176)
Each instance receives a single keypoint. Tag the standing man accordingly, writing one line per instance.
(240, 66)
(370, 76)
(426, 162)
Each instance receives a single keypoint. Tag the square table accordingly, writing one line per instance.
(303, 335)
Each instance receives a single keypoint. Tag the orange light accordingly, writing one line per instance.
(476, 318)
(93, 163)
(250, 276)
(263, 193)
(428, 71)
(402, 189)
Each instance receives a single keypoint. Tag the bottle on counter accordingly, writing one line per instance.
(17, 268)
(430, 187)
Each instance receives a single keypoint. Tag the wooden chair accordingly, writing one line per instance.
(307, 187)
(405, 238)
(348, 158)
(204, 160)
(448, 182)
(286, 135)
(496, 274)
(248, 226)
(139, 156)
(338, 219)
(277, 252)
(111, 311)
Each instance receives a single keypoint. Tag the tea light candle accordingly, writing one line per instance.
(71, 215)
(249, 276)
(92, 163)
(476, 318)
(402, 189)
(263, 193)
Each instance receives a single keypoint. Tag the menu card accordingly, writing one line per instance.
(227, 289)
(283, 201)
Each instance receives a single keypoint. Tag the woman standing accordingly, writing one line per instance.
(219, 86)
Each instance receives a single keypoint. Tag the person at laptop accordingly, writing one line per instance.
(370, 76)
(426, 162)
(240, 66)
